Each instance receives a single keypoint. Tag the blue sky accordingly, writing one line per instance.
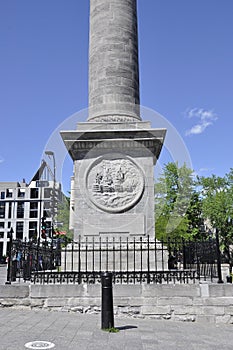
(186, 75)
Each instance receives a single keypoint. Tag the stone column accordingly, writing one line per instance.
(114, 152)
(113, 61)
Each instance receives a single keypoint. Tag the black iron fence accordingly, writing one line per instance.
(26, 257)
(131, 261)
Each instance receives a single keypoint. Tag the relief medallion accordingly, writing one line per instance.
(114, 184)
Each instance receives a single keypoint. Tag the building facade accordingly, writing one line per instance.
(22, 207)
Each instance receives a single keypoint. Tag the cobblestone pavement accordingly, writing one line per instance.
(82, 331)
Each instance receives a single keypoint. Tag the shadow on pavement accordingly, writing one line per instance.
(124, 328)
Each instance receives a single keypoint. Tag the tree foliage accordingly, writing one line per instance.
(217, 199)
(173, 194)
(183, 204)
(63, 216)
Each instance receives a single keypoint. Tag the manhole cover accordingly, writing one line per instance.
(39, 345)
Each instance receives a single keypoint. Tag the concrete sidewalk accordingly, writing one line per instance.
(80, 331)
(3, 274)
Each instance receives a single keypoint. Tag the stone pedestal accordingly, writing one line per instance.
(112, 189)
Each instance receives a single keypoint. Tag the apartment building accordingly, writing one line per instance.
(23, 205)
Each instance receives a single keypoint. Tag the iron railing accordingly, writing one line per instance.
(131, 260)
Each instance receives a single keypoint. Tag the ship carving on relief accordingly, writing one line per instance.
(115, 184)
(111, 180)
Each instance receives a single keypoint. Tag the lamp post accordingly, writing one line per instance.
(51, 154)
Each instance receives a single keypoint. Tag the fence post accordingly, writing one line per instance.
(218, 258)
(148, 259)
(107, 318)
(79, 259)
(184, 253)
(9, 262)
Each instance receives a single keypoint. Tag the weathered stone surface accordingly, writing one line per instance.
(127, 291)
(213, 310)
(171, 290)
(184, 318)
(221, 290)
(113, 59)
(224, 319)
(156, 310)
(14, 291)
(102, 203)
(204, 290)
(228, 308)
(57, 291)
(175, 302)
(211, 301)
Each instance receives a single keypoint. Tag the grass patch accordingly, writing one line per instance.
(111, 330)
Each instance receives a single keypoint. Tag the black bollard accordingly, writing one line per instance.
(107, 318)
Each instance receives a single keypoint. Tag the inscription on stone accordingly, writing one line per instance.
(114, 185)
(115, 118)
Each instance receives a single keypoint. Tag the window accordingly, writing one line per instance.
(33, 210)
(47, 209)
(34, 193)
(21, 193)
(9, 193)
(19, 230)
(2, 195)
(20, 210)
(2, 225)
(48, 192)
(32, 229)
(2, 209)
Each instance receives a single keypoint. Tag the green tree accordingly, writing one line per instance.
(173, 192)
(63, 216)
(217, 199)
(195, 217)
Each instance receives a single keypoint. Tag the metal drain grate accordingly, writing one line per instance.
(38, 344)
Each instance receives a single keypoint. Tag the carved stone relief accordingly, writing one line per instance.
(114, 185)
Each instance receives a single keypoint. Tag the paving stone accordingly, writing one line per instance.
(80, 331)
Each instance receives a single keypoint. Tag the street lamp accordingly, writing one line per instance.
(51, 154)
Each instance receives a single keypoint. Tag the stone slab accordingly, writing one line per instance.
(121, 224)
(58, 291)
(171, 290)
(14, 291)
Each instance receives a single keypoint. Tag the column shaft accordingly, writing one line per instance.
(113, 60)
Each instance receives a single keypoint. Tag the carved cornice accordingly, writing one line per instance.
(79, 143)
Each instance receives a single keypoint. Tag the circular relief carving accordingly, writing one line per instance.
(114, 184)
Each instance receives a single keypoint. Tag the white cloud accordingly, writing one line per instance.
(201, 170)
(206, 171)
(1, 160)
(205, 118)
